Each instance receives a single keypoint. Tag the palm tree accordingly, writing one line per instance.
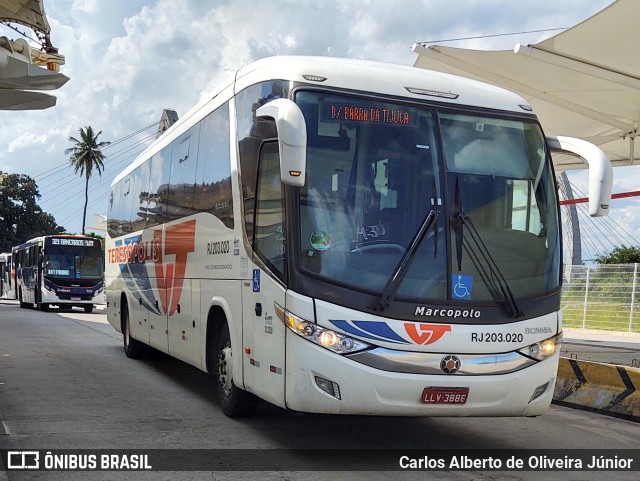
(86, 154)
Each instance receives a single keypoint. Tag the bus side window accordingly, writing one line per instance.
(182, 177)
(141, 198)
(126, 206)
(269, 235)
(160, 171)
(213, 174)
(113, 226)
(251, 131)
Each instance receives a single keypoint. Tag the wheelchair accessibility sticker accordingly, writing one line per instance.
(461, 286)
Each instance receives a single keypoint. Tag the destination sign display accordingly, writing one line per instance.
(372, 113)
(72, 242)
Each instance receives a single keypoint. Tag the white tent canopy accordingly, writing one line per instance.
(26, 12)
(583, 82)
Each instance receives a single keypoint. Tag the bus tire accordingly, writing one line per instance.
(23, 305)
(132, 348)
(235, 402)
(88, 309)
(43, 306)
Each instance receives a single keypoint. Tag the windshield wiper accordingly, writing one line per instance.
(457, 224)
(477, 251)
(402, 268)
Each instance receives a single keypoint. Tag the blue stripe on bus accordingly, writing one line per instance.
(377, 333)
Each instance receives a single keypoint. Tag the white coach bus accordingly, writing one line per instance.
(348, 237)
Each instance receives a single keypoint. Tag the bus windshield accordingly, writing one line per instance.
(73, 262)
(377, 171)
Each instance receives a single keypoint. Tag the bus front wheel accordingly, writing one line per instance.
(88, 309)
(234, 401)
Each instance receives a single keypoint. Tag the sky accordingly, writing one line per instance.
(129, 59)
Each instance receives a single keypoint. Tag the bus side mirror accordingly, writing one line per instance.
(600, 170)
(292, 139)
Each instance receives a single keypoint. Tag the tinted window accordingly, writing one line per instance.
(126, 208)
(159, 187)
(139, 198)
(183, 173)
(269, 226)
(114, 206)
(251, 132)
(213, 176)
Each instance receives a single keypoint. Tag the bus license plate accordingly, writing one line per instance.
(445, 395)
(75, 299)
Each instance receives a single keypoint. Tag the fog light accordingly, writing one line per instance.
(329, 387)
(539, 391)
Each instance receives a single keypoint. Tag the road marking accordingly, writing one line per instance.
(7, 429)
(100, 319)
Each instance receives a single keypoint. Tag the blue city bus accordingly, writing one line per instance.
(59, 270)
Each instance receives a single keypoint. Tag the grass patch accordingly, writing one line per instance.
(608, 316)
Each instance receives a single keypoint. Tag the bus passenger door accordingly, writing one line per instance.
(264, 333)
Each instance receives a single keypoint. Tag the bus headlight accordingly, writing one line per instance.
(543, 349)
(334, 341)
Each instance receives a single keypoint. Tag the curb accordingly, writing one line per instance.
(604, 388)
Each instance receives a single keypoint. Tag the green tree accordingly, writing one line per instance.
(86, 155)
(21, 218)
(620, 255)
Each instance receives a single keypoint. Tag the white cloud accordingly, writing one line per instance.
(24, 141)
(85, 6)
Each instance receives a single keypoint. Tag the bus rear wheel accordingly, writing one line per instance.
(132, 348)
(235, 402)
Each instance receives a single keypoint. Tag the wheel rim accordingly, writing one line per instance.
(225, 374)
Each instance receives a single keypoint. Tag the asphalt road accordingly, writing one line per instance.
(65, 383)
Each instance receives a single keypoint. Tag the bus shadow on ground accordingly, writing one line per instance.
(294, 430)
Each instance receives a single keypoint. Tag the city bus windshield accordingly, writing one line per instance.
(374, 175)
(73, 261)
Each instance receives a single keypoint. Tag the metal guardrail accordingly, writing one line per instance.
(605, 297)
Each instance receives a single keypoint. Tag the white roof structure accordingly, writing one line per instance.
(26, 71)
(99, 223)
(26, 12)
(583, 82)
